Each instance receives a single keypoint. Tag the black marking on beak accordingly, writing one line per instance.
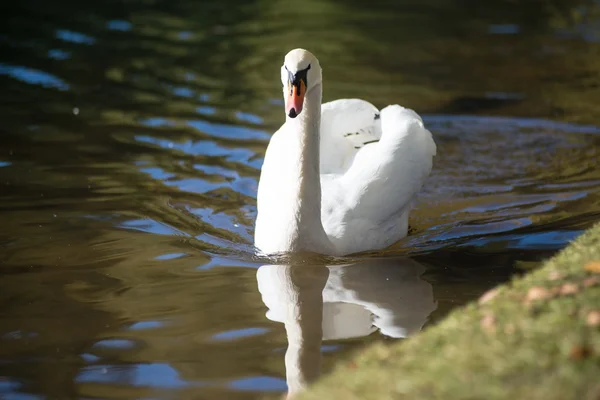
(299, 76)
(292, 113)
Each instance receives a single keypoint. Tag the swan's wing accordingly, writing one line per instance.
(347, 125)
(367, 204)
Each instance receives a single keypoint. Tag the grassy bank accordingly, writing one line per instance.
(535, 338)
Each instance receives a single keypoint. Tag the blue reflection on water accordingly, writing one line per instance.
(33, 76)
(506, 124)
(119, 25)
(553, 240)
(156, 375)
(217, 261)
(183, 92)
(157, 173)
(524, 200)
(205, 147)
(170, 256)
(228, 131)
(185, 35)
(206, 110)
(5, 163)
(328, 348)
(143, 325)
(464, 231)
(58, 54)
(245, 186)
(248, 117)
(9, 384)
(156, 122)
(216, 170)
(239, 333)
(151, 226)
(115, 344)
(89, 358)
(196, 185)
(74, 37)
(260, 384)
(20, 396)
(221, 220)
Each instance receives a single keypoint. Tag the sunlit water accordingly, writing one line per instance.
(130, 150)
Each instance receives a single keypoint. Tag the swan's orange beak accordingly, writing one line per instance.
(295, 98)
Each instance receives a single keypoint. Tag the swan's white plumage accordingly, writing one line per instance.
(372, 164)
(346, 126)
(366, 207)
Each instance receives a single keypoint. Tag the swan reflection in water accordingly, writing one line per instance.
(319, 303)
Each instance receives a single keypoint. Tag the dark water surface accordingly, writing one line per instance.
(131, 140)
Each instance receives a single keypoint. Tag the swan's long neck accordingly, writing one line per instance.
(289, 195)
(307, 130)
(305, 171)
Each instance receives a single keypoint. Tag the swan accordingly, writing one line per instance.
(338, 178)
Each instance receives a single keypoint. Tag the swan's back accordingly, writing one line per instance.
(347, 125)
(370, 178)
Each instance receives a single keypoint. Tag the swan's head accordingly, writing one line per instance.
(299, 74)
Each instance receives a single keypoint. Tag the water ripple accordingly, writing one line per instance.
(131, 151)
(33, 77)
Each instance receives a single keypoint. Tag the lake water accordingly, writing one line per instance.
(131, 143)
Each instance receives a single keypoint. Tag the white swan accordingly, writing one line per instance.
(338, 178)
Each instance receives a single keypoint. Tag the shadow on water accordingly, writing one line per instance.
(131, 142)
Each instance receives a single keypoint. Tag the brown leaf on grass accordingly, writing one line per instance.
(579, 352)
(537, 293)
(593, 318)
(591, 281)
(555, 276)
(593, 267)
(568, 289)
(487, 296)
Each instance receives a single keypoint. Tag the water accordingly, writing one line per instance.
(131, 141)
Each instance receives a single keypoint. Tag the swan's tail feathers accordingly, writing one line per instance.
(384, 179)
(398, 122)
